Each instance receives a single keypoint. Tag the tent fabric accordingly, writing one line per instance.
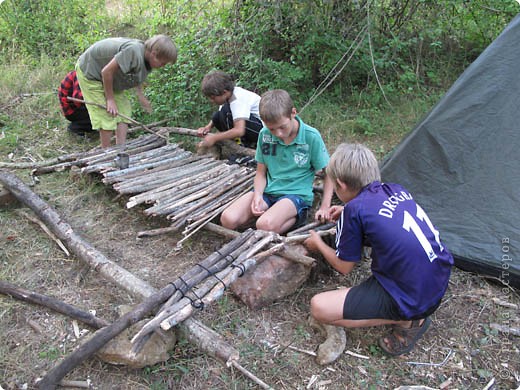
(462, 162)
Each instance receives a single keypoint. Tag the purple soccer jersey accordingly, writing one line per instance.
(408, 257)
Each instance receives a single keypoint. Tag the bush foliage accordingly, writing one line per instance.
(343, 47)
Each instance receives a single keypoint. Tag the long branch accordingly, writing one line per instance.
(118, 114)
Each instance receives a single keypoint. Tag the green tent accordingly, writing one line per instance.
(462, 162)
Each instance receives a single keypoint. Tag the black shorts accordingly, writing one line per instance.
(369, 300)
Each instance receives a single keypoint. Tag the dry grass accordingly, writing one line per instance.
(460, 351)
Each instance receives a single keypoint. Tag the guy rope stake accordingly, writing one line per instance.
(119, 114)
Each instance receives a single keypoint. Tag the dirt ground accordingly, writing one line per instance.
(460, 351)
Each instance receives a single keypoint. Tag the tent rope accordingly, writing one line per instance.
(319, 90)
(369, 36)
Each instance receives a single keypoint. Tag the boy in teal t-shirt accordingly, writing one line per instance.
(289, 153)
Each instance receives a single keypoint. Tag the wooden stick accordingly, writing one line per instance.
(310, 353)
(157, 232)
(255, 379)
(119, 114)
(303, 237)
(228, 233)
(229, 144)
(215, 345)
(356, 355)
(292, 255)
(102, 336)
(78, 384)
(303, 228)
(174, 188)
(46, 230)
(104, 154)
(181, 131)
(34, 325)
(51, 303)
(32, 164)
(136, 127)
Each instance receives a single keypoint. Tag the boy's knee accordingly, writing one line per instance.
(317, 309)
(267, 224)
(226, 220)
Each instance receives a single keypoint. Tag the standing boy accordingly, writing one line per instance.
(238, 115)
(288, 155)
(410, 265)
(111, 66)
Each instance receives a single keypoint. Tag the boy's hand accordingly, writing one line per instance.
(258, 206)
(208, 141)
(143, 100)
(322, 215)
(145, 103)
(112, 107)
(202, 131)
(335, 212)
(312, 243)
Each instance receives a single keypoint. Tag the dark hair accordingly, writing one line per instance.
(216, 83)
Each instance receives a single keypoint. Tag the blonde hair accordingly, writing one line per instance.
(163, 47)
(275, 104)
(216, 83)
(353, 164)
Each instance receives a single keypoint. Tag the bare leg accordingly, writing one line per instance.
(279, 218)
(121, 131)
(105, 137)
(327, 308)
(238, 213)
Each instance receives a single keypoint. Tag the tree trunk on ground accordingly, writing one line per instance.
(77, 245)
(92, 257)
(52, 303)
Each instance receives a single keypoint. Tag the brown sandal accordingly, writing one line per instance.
(409, 336)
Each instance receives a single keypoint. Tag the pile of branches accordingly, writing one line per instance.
(207, 280)
(99, 155)
(187, 189)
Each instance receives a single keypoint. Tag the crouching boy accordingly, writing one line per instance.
(410, 265)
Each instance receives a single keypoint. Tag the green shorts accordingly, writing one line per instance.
(93, 92)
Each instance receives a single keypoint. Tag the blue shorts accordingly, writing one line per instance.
(302, 207)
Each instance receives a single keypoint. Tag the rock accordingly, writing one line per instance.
(118, 350)
(334, 344)
(274, 278)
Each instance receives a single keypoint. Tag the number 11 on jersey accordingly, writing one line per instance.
(410, 224)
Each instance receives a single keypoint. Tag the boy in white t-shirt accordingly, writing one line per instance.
(238, 116)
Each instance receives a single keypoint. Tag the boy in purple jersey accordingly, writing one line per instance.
(410, 266)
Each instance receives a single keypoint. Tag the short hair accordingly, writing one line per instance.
(353, 164)
(163, 47)
(275, 104)
(216, 83)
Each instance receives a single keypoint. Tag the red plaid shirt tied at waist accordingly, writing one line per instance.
(69, 87)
